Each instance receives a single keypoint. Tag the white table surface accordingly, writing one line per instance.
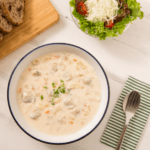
(128, 54)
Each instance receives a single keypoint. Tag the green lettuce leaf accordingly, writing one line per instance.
(98, 29)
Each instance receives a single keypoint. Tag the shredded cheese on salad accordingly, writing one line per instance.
(101, 10)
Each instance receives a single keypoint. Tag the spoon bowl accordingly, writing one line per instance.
(130, 106)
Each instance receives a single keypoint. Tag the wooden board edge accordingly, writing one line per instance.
(29, 39)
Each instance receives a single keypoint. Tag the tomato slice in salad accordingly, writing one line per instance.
(110, 25)
(82, 8)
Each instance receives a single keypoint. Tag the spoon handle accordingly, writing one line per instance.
(121, 137)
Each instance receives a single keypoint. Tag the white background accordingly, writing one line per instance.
(128, 54)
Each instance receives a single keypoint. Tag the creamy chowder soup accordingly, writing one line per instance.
(58, 93)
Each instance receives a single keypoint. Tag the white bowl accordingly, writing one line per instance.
(22, 64)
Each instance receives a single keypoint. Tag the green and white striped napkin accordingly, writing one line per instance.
(136, 125)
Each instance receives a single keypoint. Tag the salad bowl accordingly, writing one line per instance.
(76, 21)
(104, 19)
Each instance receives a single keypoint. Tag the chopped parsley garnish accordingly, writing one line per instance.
(63, 85)
(45, 87)
(53, 84)
(62, 91)
(56, 92)
(61, 80)
(42, 97)
(52, 102)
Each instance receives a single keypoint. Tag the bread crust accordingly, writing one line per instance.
(5, 26)
(17, 9)
(1, 36)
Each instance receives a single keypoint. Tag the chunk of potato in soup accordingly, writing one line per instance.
(58, 93)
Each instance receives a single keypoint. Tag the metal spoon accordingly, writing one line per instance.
(130, 105)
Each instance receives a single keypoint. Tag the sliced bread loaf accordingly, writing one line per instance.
(13, 10)
(5, 26)
(1, 36)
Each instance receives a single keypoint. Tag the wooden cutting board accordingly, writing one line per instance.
(39, 15)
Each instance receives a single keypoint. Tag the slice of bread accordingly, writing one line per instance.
(1, 36)
(5, 26)
(13, 10)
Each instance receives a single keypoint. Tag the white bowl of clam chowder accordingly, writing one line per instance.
(71, 51)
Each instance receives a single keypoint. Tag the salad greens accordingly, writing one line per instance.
(98, 29)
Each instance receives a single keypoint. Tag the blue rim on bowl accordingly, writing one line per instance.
(8, 99)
